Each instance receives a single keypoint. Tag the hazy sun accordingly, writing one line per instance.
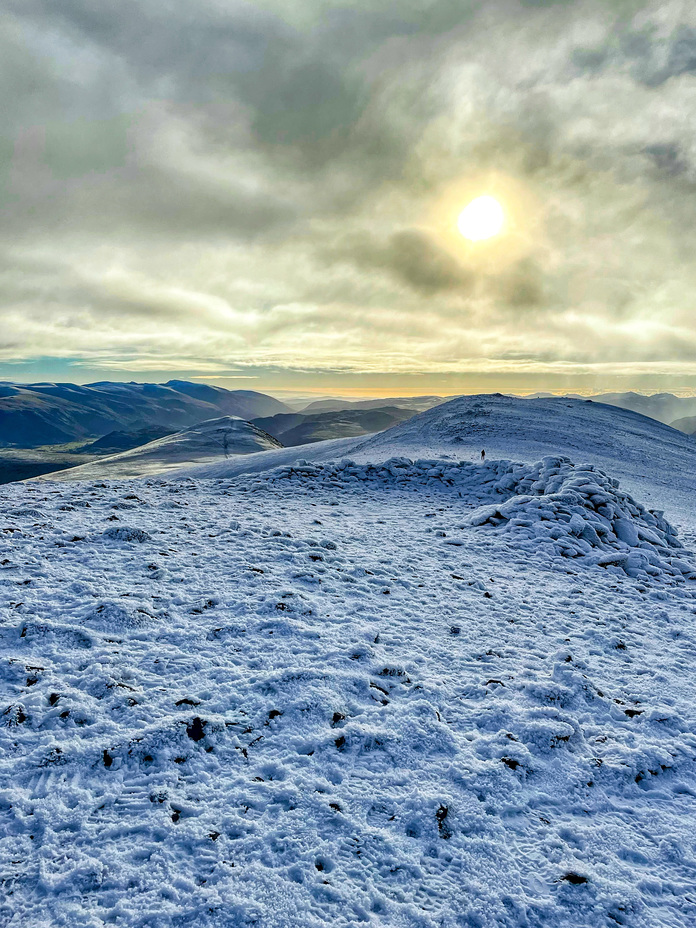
(482, 218)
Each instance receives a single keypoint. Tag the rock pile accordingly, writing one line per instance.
(578, 511)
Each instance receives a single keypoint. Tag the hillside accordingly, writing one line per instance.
(33, 415)
(215, 440)
(114, 442)
(300, 429)
(25, 463)
(665, 407)
(687, 425)
(418, 403)
(654, 461)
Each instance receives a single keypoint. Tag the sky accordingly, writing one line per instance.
(265, 195)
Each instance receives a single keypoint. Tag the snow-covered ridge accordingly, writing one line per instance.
(212, 440)
(654, 462)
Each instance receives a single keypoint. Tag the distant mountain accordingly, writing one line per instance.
(665, 407)
(24, 463)
(209, 442)
(417, 403)
(300, 429)
(687, 424)
(115, 442)
(38, 414)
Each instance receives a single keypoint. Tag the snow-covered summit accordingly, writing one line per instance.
(653, 461)
(510, 427)
(211, 441)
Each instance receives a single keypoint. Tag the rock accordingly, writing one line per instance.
(626, 531)
(124, 533)
(619, 558)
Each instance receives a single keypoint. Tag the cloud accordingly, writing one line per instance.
(410, 256)
(246, 183)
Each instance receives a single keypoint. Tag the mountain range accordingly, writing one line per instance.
(303, 428)
(33, 415)
(665, 407)
(418, 403)
(43, 414)
(49, 427)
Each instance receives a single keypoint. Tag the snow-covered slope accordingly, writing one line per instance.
(406, 695)
(653, 461)
(215, 440)
(360, 682)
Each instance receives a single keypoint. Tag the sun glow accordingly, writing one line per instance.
(486, 222)
(482, 218)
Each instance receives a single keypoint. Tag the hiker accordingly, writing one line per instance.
(483, 454)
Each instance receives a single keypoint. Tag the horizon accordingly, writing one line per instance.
(355, 394)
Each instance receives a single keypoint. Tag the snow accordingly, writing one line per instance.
(653, 461)
(554, 508)
(377, 689)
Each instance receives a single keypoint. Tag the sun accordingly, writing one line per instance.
(483, 218)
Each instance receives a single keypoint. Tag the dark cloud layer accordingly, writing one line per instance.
(410, 256)
(203, 184)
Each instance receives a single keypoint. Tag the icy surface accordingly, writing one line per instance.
(414, 693)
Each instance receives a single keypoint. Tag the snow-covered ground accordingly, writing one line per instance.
(654, 461)
(430, 694)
